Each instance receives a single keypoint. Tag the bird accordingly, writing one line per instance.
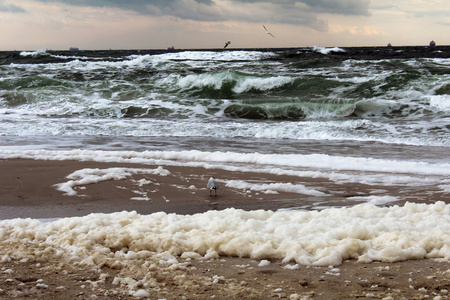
(226, 44)
(267, 31)
(212, 185)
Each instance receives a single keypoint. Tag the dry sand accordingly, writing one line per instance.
(27, 190)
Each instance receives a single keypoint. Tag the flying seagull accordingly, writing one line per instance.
(226, 44)
(267, 31)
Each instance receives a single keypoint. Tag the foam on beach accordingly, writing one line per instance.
(364, 232)
(91, 176)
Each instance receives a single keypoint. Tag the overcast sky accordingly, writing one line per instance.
(156, 24)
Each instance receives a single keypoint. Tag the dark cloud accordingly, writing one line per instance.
(343, 7)
(11, 8)
(301, 12)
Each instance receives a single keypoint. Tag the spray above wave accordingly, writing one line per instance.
(218, 56)
(325, 50)
(231, 82)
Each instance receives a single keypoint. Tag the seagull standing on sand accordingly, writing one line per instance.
(267, 31)
(212, 185)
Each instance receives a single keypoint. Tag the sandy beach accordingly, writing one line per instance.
(28, 191)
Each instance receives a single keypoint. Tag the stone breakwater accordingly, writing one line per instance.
(343, 53)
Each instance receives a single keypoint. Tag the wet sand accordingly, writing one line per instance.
(28, 190)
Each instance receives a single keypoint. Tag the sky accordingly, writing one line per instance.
(194, 24)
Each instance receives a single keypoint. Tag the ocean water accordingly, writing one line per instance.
(383, 123)
(246, 95)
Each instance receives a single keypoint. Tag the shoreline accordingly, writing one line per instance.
(29, 191)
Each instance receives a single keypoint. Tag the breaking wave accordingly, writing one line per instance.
(397, 97)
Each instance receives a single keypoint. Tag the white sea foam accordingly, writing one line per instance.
(363, 232)
(376, 200)
(320, 161)
(271, 187)
(89, 176)
(441, 102)
(445, 187)
(312, 129)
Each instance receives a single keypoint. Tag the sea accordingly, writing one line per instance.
(381, 121)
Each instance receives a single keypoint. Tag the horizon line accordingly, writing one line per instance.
(75, 49)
